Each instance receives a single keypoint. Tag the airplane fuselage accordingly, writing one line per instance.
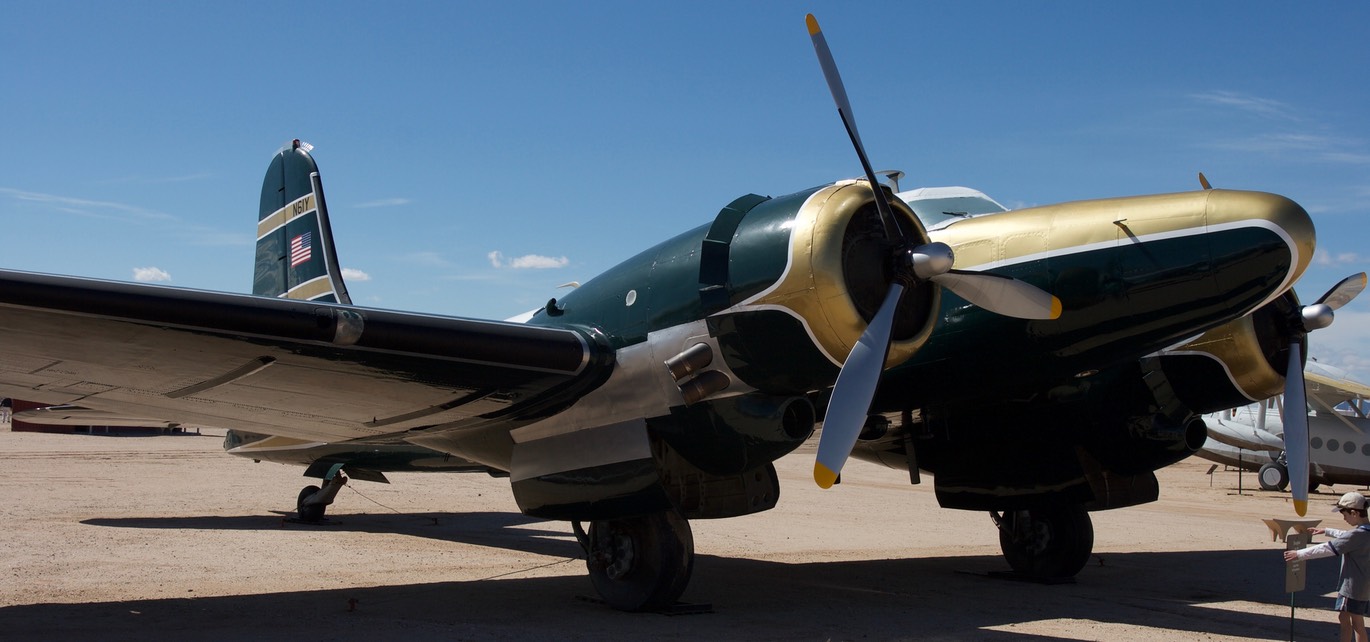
(771, 287)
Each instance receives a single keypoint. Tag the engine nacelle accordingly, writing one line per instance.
(1144, 443)
(807, 272)
(1237, 363)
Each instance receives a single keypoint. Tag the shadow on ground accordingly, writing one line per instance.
(499, 530)
(932, 598)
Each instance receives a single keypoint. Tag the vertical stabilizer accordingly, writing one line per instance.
(295, 255)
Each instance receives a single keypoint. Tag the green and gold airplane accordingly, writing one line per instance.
(1016, 356)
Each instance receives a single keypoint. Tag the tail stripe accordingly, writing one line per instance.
(299, 207)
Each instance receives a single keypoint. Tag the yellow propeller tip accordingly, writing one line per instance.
(1301, 507)
(825, 478)
(813, 29)
(1055, 308)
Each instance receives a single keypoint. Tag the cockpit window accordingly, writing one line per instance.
(937, 212)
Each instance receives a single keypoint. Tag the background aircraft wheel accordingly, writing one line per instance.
(1273, 476)
(312, 513)
(641, 563)
(1047, 542)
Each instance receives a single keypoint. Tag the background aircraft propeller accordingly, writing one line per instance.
(1317, 316)
(913, 264)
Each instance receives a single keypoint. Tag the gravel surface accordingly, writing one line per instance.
(135, 537)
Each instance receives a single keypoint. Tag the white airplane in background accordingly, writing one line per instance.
(1251, 437)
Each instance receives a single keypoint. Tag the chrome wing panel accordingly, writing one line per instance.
(276, 366)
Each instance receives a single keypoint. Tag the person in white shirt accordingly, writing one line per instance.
(1353, 583)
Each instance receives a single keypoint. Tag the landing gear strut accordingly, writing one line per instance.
(312, 501)
(640, 563)
(1046, 542)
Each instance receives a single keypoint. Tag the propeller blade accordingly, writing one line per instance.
(1317, 316)
(1001, 294)
(1343, 292)
(839, 96)
(1296, 429)
(859, 376)
(1203, 182)
(852, 394)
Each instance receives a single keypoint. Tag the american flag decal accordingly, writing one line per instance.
(300, 248)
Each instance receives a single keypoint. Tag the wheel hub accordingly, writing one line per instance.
(1029, 535)
(614, 554)
(1034, 536)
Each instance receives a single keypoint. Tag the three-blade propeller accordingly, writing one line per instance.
(913, 263)
(1311, 317)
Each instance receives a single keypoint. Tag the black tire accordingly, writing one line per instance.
(1048, 542)
(641, 563)
(1273, 476)
(311, 513)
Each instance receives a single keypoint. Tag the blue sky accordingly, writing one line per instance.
(134, 135)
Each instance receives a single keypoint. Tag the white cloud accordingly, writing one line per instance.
(86, 207)
(150, 275)
(1326, 258)
(1345, 344)
(1277, 143)
(156, 180)
(384, 202)
(351, 274)
(1309, 147)
(1325, 146)
(527, 261)
(1253, 104)
(207, 236)
(427, 258)
(1346, 158)
(110, 210)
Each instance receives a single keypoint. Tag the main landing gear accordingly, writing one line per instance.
(312, 501)
(1047, 542)
(639, 563)
(1273, 476)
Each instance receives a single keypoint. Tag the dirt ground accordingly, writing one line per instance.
(135, 537)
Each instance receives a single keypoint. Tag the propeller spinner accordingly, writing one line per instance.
(913, 264)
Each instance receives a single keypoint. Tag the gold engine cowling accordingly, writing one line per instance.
(1237, 363)
(793, 328)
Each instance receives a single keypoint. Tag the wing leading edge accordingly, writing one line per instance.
(294, 368)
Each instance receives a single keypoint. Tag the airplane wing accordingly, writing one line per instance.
(69, 415)
(1333, 391)
(302, 369)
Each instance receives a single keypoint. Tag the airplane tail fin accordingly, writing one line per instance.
(295, 254)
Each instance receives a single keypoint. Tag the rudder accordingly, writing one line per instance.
(295, 253)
